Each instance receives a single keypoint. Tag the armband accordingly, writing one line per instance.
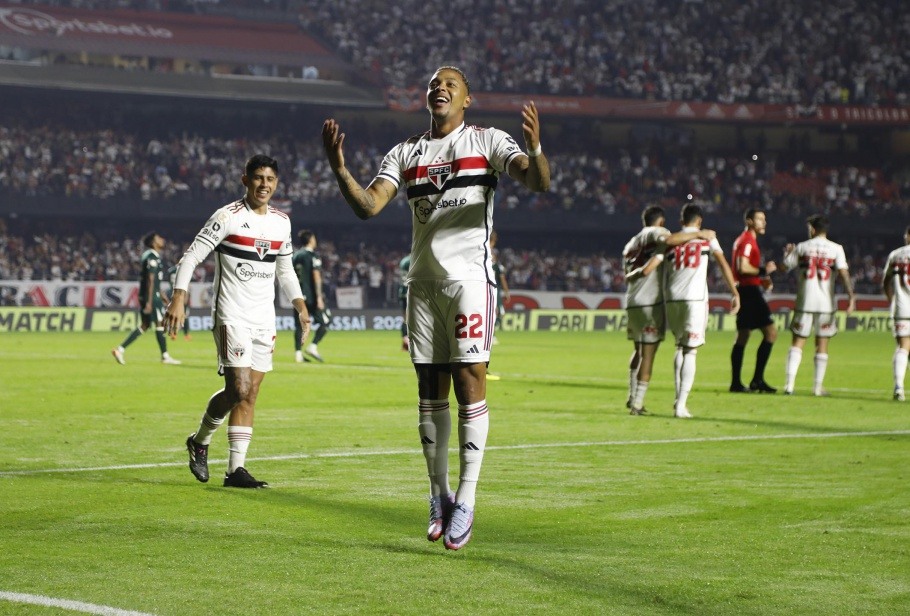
(535, 152)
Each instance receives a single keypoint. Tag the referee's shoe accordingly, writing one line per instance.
(762, 387)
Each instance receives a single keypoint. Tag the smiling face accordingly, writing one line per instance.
(260, 186)
(447, 97)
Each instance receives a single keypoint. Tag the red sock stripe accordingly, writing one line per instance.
(470, 414)
(430, 406)
(239, 436)
(210, 423)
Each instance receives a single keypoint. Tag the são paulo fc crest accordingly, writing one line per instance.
(262, 247)
(438, 174)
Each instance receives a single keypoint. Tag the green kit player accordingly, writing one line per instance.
(151, 303)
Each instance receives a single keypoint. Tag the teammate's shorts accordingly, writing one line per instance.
(754, 312)
(688, 321)
(242, 347)
(323, 318)
(451, 321)
(900, 328)
(154, 317)
(804, 324)
(646, 324)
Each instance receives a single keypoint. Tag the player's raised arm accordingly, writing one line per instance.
(366, 202)
(533, 169)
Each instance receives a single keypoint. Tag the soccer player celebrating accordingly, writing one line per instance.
(815, 303)
(686, 284)
(308, 266)
(252, 242)
(751, 276)
(896, 285)
(449, 174)
(642, 258)
(151, 300)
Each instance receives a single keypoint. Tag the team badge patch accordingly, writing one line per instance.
(262, 247)
(438, 174)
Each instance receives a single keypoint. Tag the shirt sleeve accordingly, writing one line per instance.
(211, 234)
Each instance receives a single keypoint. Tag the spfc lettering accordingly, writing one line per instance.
(438, 174)
(262, 247)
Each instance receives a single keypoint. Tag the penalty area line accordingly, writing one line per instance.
(67, 604)
(397, 452)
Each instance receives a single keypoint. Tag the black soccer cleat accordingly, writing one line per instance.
(241, 478)
(739, 388)
(199, 458)
(762, 387)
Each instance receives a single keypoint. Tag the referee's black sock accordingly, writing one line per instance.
(736, 360)
(761, 360)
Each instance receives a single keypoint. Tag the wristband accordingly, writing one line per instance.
(535, 152)
(762, 271)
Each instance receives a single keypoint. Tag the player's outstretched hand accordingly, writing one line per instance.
(333, 142)
(530, 126)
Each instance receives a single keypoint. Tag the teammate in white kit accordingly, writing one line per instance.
(449, 174)
(642, 258)
(818, 258)
(252, 242)
(896, 285)
(686, 298)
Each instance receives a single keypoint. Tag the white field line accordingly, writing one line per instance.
(66, 604)
(396, 452)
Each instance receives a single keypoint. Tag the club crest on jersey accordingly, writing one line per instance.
(438, 174)
(262, 247)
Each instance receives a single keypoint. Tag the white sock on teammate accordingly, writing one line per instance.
(794, 357)
(638, 399)
(899, 363)
(239, 438)
(686, 378)
(435, 428)
(207, 427)
(821, 365)
(473, 427)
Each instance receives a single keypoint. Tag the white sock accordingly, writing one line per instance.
(239, 438)
(473, 427)
(435, 427)
(677, 369)
(207, 427)
(794, 357)
(821, 364)
(899, 362)
(686, 377)
(641, 388)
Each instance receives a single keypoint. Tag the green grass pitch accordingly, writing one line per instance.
(758, 505)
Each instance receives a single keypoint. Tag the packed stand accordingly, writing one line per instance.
(102, 164)
(778, 51)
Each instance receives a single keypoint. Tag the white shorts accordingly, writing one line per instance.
(688, 321)
(900, 328)
(646, 324)
(242, 347)
(804, 324)
(451, 321)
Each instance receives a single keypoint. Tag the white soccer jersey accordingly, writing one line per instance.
(251, 250)
(898, 266)
(819, 259)
(686, 269)
(450, 184)
(647, 290)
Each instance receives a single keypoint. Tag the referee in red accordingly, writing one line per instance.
(751, 278)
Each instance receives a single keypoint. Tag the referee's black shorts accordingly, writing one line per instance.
(754, 312)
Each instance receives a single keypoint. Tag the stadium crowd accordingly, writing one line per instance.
(777, 51)
(51, 161)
